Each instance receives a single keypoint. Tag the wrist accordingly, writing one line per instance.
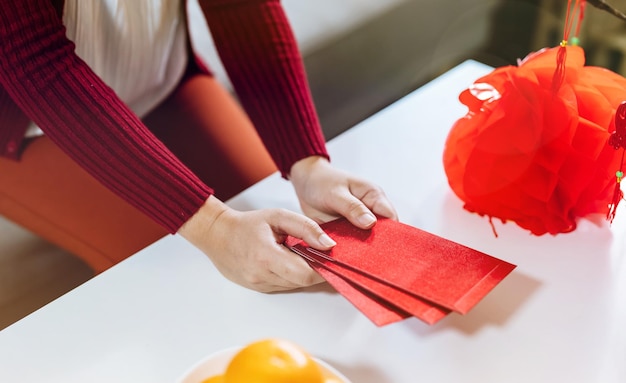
(301, 169)
(203, 219)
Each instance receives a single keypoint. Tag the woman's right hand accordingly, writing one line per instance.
(247, 247)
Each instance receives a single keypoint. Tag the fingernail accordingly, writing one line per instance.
(326, 240)
(367, 219)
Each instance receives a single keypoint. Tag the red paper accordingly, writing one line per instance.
(422, 309)
(377, 310)
(419, 263)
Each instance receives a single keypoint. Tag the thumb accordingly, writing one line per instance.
(355, 211)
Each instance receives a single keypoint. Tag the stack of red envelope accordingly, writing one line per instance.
(394, 271)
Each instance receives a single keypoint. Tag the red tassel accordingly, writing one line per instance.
(618, 195)
(493, 227)
(570, 15)
(559, 73)
(618, 141)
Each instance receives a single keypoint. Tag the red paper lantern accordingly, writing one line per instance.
(535, 152)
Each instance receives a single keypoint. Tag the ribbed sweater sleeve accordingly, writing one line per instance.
(67, 100)
(260, 54)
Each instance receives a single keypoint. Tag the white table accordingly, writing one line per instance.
(559, 317)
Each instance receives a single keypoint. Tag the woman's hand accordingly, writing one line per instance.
(246, 247)
(326, 193)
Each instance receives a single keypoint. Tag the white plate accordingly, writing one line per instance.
(216, 363)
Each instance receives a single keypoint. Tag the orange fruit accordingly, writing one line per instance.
(273, 361)
(214, 379)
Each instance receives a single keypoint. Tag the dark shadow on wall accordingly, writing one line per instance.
(513, 29)
(384, 59)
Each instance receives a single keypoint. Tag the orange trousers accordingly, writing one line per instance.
(50, 195)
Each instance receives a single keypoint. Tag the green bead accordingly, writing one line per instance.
(619, 174)
(575, 40)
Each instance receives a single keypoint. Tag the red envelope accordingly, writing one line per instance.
(424, 310)
(419, 263)
(379, 311)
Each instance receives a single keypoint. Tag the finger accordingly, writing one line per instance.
(260, 279)
(295, 270)
(301, 227)
(280, 275)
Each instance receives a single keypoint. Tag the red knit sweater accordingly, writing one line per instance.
(43, 80)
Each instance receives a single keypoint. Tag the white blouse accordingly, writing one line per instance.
(137, 47)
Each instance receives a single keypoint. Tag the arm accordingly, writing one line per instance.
(43, 76)
(260, 54)
(59, 92)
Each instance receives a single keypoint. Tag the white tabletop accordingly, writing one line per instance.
(559, 317)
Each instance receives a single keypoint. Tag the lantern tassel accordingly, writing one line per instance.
(618, 195)
(570, 16)
(617, 140)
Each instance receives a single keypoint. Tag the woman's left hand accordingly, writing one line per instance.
(326, 193)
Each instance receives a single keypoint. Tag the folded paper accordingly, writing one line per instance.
(403, 302)
(415, 271)
(379, 311)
